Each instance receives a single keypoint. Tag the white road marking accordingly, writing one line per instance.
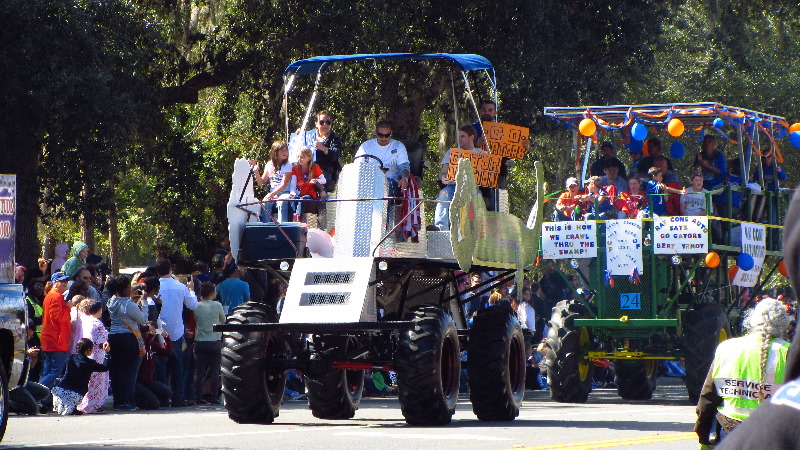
(186, 436)
(431, 436)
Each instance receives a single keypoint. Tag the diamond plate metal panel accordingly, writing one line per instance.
(439, 246)
(359, 224)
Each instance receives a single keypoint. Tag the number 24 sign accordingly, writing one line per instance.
(630, 301)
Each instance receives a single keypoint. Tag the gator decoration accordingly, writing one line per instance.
(489, 238)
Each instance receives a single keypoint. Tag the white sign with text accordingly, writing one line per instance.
(566, 240)
(678, 235)
(624, 246)
(754, 244)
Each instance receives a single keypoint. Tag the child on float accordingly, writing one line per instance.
(632, 202)
(278, 172)
(307, 177)
(694, 201)
(656, 192)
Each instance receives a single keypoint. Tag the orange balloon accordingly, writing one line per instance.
(645, 149)
(675, 127)
(712, 259)
(794, 127)
(732, 272)
(587, 127)
(782, 269)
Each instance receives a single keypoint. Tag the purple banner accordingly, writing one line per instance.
(8, 208)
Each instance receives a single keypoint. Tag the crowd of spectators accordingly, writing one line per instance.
(147, 340)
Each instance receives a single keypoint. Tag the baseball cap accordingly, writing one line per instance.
(571, 181)
(59, 276)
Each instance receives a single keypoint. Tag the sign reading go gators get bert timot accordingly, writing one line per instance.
(677, 235)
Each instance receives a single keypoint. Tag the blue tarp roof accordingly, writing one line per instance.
(311, 66)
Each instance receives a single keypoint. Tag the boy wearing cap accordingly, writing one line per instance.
(568, 200)
(56, 330)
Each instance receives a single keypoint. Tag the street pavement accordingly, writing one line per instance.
(605, 421)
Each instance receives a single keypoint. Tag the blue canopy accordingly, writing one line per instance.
(311, 66)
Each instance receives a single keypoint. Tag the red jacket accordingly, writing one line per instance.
(56, 327)
(152, 349)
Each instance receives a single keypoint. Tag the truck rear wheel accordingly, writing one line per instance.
(428, 367)
(636, 380)
(568, 372)
(253, 388)
(496, 368)
(335, 393)
(705, 327)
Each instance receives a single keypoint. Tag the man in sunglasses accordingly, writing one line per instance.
(392, 154)
(327, 147)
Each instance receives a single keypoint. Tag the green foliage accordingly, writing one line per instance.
(161, 97)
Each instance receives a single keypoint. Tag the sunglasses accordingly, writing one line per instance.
(381, 135)
(324, 122)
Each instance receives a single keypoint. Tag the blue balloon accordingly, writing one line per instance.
(635, 146)
(794, 138)
(718, 123)
(639, 132)
(677, 150)
(745, 261)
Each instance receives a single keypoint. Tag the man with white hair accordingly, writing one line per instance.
(746, 371)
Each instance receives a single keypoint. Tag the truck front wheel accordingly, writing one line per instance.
(252, 384)
(428, 367)
(496, 368)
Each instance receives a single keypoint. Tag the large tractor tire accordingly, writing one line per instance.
(335, 393)
(704, 328)
(568, 372)
(636, 380)
(428, 367)
(496, 370)
(253, 388)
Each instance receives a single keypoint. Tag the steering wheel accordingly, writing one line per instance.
(380, 163)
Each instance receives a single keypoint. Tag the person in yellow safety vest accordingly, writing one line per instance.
(34, 304)
(745, 371)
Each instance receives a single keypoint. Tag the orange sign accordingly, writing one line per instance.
(485, 165)
(505, 140)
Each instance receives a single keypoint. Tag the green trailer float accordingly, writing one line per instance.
(686, 292)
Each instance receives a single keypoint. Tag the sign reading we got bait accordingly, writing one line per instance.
(677, 235)
(505, 139)
(564, 240)
(486, 166)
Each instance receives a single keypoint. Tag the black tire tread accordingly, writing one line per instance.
(329, 396)
(633, 382)
(244, 357)
(700, 338)
(491, 392)
(417, 363)
(564, 355)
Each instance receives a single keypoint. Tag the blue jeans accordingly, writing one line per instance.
(54, 363)
(301, 207)
(284, 210)
(176, 371)
(441, 218)
(188, 370)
